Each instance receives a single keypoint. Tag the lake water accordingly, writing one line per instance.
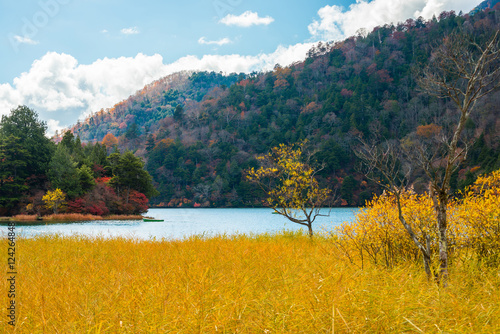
(182, 223)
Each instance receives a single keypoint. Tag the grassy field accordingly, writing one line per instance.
(284, 283)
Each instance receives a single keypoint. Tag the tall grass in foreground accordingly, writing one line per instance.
(283, 283)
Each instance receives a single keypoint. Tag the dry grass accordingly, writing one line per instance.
(123, 217)
(71, 217)
(281, 283)
(24, 217)
(74, 217)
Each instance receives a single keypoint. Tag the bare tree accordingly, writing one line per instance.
(462, 71)
(385, 164)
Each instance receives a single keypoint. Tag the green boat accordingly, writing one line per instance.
(152, 220)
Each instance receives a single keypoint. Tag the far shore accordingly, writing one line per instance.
(68, 217)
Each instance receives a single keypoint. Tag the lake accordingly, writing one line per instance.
(182, 223)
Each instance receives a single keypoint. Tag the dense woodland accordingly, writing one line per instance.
(38, 177)
(198, 132)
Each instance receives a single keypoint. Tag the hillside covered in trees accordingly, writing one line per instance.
(198, 132)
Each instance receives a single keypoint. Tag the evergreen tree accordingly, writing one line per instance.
(150, 144)
(68, 141)
(129, 174)
(86, 178)
(23, 123)
(13, 159)
(178, 113)
(63, 173)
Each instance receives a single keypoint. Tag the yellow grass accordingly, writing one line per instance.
(24, 217)
(281, 283)
(74, 217)
(123, 217)
(71, 217)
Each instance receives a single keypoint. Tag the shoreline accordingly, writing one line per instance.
(65, 217)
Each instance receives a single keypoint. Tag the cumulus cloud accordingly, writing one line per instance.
(25, 40)
(246, 19)
(62, 91)
(60, 88)
(53, 126)
(219, 42)
(238, 63)
(335, 23)
(129, 31)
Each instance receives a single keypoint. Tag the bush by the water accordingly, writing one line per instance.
(377, 235)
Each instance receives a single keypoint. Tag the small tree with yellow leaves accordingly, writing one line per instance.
(290, 184)
(54, 199)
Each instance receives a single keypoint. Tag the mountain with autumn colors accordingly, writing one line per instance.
(199, 131)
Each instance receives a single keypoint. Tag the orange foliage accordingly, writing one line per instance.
(243, 83)
(104, 179)
(167, 142)
(109, 140)
(310, 108)
(475, 169)
(281, 83)
(428, 130)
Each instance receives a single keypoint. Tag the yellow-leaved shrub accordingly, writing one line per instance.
(377, 235)
(478, 216)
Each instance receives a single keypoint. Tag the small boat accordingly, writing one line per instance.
(152, 220)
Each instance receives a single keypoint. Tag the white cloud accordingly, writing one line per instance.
(53, 126)
(335, 24)
(59, 88)
(25, 40)
(104, 31)
(246, 19)
(129, 31)
(219, 42)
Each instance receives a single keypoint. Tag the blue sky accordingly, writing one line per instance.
(67, 58)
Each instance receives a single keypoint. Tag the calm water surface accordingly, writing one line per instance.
(181, 223)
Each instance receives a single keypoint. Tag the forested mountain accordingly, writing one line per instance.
(199, 131)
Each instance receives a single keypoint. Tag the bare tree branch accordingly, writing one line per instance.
(463, 71)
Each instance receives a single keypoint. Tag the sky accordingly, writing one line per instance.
(69, 58)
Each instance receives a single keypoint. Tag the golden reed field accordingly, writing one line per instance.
(364, 278)
(283, 283)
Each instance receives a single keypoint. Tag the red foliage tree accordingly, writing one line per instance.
(137, 202)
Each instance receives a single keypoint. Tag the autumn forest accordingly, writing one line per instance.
(198, 132)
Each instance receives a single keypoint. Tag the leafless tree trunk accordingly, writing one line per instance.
(388, 160)
(463, 71)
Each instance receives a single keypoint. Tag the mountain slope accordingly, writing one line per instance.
(151, 104)
(199, 131)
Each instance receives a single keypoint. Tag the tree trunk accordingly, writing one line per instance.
(440, 200)
(426, 251)
(427, 257)
(309, 226)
